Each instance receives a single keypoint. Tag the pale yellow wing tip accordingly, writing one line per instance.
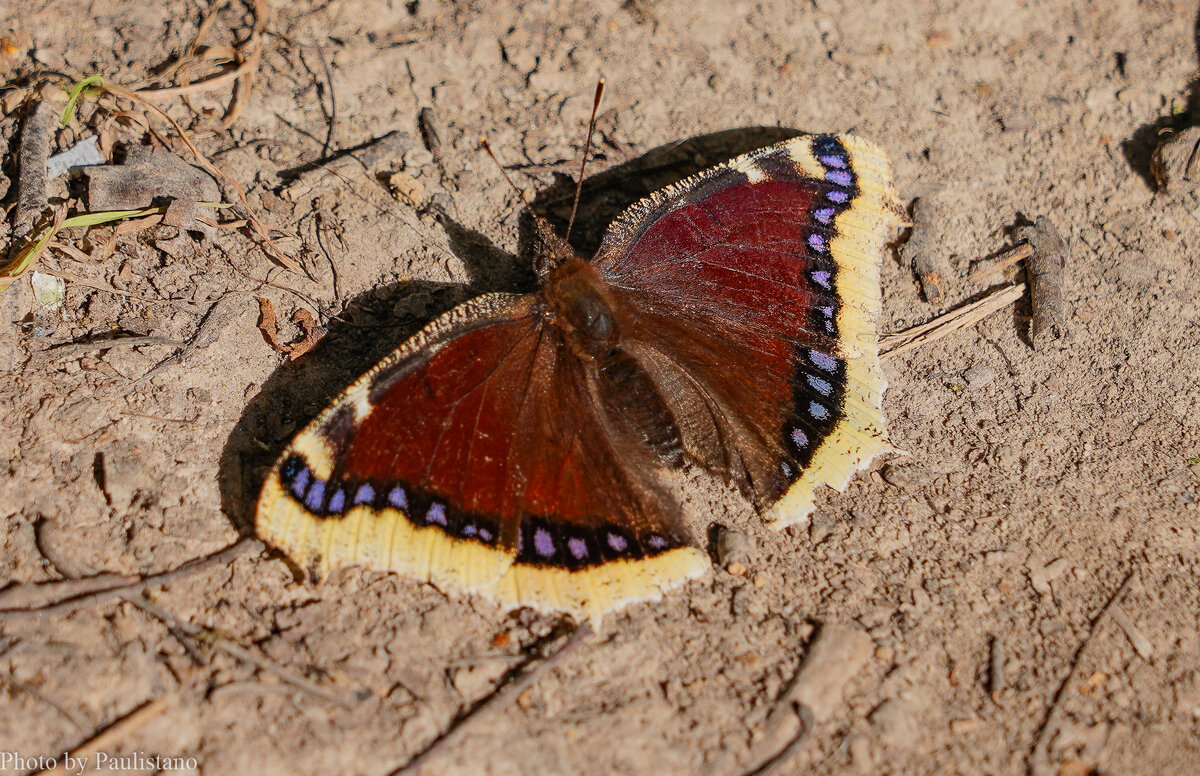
(801, 499)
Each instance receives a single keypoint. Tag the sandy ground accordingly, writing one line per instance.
(1026, 577)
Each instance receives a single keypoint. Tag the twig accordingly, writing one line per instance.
(1041, 742)
(37, 595)
(110, 736)
(370, 156)
(430, 137)
(95, 286)
(236, 651)
(53, 601)
(332, 101)
(967, 315)
(987, 269)
(15, 683)
(1140, 643)
(206, 333)
(256, 223)
(510, 687)
(241, 75)
(997, 679)
(71, 348)
(318, 232)
(1047, 274)
(247, 67)
(925, 253)
(31, 172)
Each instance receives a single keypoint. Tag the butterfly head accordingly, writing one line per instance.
(548, 248)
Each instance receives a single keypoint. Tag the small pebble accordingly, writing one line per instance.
(979, 376)
(906, 475)
(733, 550)
(962, 727)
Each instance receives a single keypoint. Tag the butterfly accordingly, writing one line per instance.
(519, 446)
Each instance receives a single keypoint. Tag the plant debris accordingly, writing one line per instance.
(84, 153)
(146, 178)
(1047, 270)
(1175, 163)
(311, 333)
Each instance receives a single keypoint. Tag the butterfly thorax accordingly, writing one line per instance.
(580, 306)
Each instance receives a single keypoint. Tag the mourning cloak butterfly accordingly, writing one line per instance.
(515, 446)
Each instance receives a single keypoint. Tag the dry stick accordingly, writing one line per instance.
(110, 736)
(241, 89)
(71, 348)
(105, 288)
(36, 136)
(247, 67)
(65, 713)
(895, 344)
(997, 680)
(202, 29)
(1041, 742)
(369, 156)
(430, 137)
(188, 644)
(236, 651)
(256, 223)
(189, 51)
(508, 691)
(923, 253)
(31, 596)
(1047, 270)
(242, 75)
(214, 319)
(332, 101)
(989, 268)
(53, 601)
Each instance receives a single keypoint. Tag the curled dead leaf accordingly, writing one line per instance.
(310, 331)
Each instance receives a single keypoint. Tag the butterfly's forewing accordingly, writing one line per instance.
(753, 289)
(477, 457)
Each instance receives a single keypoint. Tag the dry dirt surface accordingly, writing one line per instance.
(1016, 594)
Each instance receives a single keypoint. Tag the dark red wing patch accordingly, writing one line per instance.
(486, 438)
(763, 261)
(749, 252)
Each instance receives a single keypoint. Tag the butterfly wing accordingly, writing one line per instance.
(752, 292)
(475, 457)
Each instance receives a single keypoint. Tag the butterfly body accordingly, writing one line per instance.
(518, 446)
(582, 309)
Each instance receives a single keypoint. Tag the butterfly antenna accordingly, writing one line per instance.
(484, 144)
(587, 146)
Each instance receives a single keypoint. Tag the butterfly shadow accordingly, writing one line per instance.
(378, 321)
(1140, 146)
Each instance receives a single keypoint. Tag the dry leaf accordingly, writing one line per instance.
(302, 318)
